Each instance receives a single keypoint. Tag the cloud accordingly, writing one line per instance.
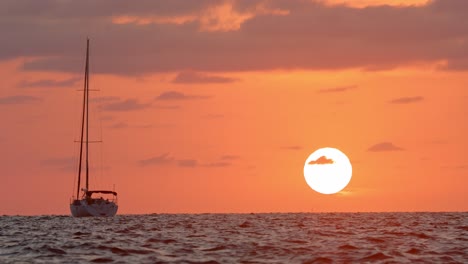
(187, 163)
(92, 10)
(126, 105)
(103, 99)
(407, 100)
(218, 164)
(338, 89)
(439, 141)
(173, 95)
(225, 161)
(292, 34)
(58, 161)
(145, 126)
(230, 157)
(456, 65)
(163, 159)
(64, 164)
(119, 125)
(48, 83)
(321, 161)
(456, 167)
(384, 146)
(192, 163)
(167, 107)
(107, 118)
(293, 147)
(190, 77)
(19, 99)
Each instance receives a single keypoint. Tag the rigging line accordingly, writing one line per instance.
(75, 163)
(99, 114)
(96, 167)
(82, 124)
(75, 124)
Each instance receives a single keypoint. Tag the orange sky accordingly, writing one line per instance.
(214, 106)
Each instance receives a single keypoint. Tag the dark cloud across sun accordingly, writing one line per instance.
(321, 161)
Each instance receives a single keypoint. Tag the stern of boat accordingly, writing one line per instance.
(89, 206)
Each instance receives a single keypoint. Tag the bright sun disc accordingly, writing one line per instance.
(327, 170)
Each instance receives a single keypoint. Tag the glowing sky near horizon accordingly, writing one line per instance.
(212, 106)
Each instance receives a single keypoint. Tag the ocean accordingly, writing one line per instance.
(237, 238)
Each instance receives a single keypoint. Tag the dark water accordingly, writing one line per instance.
(237, 238)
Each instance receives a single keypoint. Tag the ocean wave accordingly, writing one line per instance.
(237, 238)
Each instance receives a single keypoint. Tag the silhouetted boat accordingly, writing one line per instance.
(86, 204)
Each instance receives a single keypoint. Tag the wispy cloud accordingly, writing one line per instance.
(58, 161)
(166, 159)
(191, 77)
(63, 164)
(338, 89)
(218, 164)
(225, 161)
(230, 157)
(49, 83)
(439, 141)
(119, 125)
(292, 147)
(407, 100)
(173, 95)
(187, 163)
(107, 118)
(104, 99)
(383, 147)
(126, 105)
(167, 107)
(163, 159)
(456, 167)
(321, 161)
(19, 99)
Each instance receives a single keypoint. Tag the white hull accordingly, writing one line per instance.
(99, 207)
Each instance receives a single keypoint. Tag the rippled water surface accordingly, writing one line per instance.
(237, 238)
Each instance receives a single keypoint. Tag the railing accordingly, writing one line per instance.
(114, 199)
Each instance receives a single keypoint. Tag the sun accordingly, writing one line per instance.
(327, 170)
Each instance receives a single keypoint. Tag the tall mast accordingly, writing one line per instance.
(87, 111)
(85, 94)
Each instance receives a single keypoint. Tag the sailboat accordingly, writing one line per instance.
(88, 203)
